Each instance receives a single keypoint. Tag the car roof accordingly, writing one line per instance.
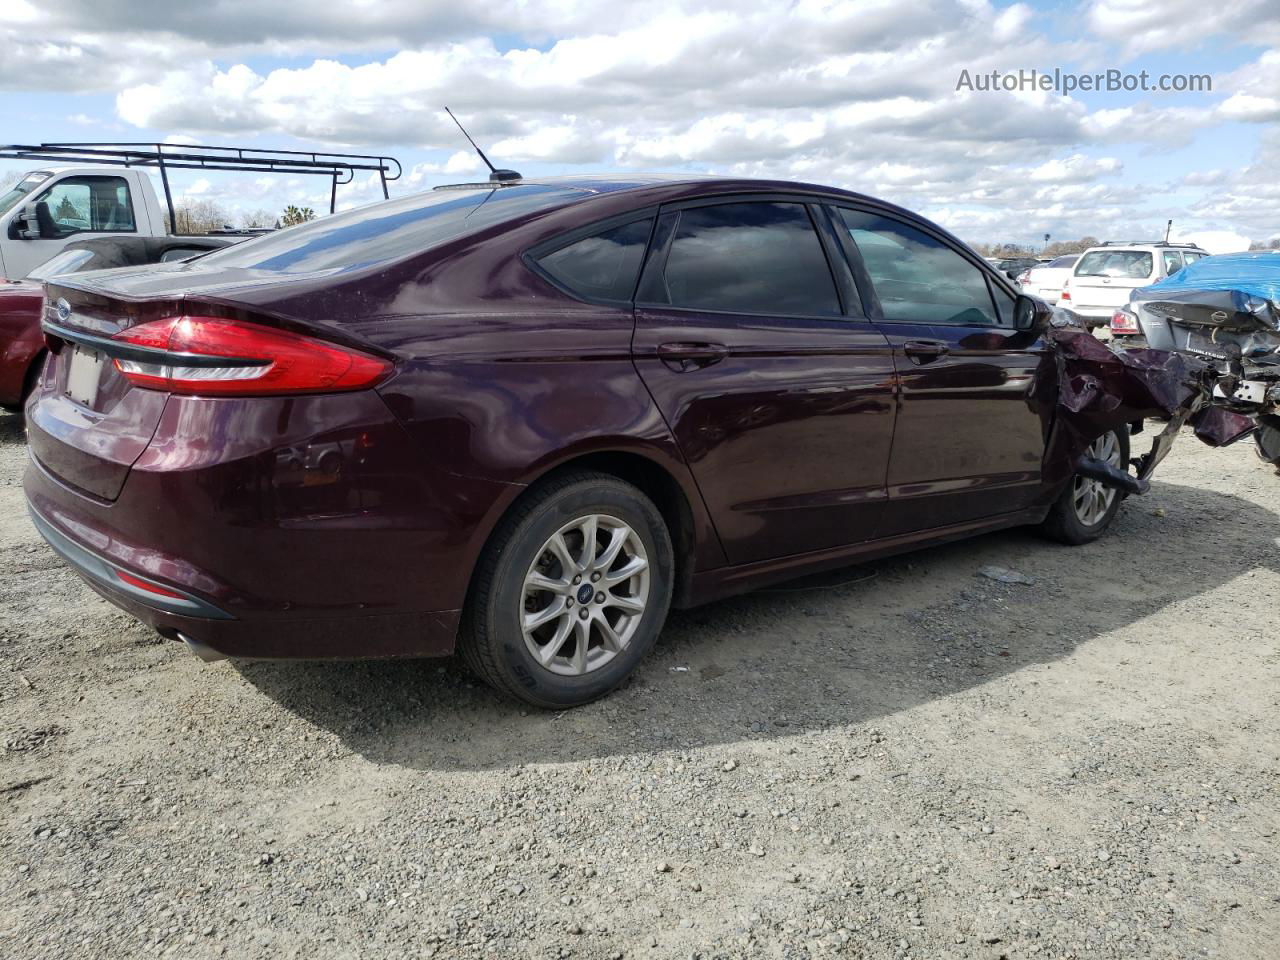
(670, 187)
(619, 182)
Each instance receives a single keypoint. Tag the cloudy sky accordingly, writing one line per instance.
(860, 93)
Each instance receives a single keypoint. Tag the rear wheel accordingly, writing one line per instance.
(571, 593)
(1086, 507)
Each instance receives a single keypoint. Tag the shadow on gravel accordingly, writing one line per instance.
(11, 430)
(838, 650)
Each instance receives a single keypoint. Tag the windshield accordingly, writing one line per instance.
(1121, 264)
(20, 189)
(389, 230)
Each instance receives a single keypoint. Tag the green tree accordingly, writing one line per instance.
(294, 215)
(66, 210)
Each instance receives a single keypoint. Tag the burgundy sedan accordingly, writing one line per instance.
(525, 418)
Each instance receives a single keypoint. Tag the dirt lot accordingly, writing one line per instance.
(905, 759)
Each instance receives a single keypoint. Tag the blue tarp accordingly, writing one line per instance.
(1255, 274)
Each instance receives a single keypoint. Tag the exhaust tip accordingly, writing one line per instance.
(202, 650)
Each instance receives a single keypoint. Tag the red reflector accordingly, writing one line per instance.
(1066, 295)
(259, 360)
(146, 585)
(1124, 322)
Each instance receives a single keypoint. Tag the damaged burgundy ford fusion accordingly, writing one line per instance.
(526, 417)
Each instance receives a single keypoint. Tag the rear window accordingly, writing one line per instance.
(68, 261)
(1120, 264)
(1062, 262)
(389, 230)
(603, 266)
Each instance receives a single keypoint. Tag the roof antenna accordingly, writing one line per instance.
(1168, 229)
(495, 175)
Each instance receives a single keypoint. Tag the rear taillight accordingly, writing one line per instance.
(1066, 294)
(1123, 321)
(213, 356)
(1024, 277)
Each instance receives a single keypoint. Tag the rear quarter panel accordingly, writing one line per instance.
(530, 381)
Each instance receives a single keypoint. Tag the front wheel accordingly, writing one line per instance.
(571, 592)
(1087, 507)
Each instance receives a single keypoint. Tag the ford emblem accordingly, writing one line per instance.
(64, 310)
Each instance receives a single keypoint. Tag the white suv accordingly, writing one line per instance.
(1104, 276)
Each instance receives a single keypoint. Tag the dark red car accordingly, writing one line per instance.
(525, 418)
(21, 340)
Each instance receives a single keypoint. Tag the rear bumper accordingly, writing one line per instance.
(326, 534)
(108, 577)
(202, 624)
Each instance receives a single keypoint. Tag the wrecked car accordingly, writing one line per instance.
(1223, 312)
(549, 410)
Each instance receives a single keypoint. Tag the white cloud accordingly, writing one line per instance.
(1140, 26)
(859, 93)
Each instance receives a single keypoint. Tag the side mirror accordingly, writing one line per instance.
(27, 223)
(1031, 313)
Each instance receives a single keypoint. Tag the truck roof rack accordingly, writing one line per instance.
(340, 168)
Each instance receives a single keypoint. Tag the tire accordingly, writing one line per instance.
(1067, 522)
(544, 665)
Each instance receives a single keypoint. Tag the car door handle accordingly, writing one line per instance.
(691, 356)
(924, 351)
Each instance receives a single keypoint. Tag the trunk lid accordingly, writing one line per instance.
(87, 424)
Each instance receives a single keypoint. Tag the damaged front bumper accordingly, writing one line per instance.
(1099, 387)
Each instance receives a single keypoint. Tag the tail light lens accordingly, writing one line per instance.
(1066, 294)
(1024, 277)
(213, 356)
(1124, 321)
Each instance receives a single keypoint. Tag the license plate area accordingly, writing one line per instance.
(84, 374)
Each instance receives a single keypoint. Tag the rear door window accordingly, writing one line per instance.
(1116, 264)
(756, 257)
(603, 266)
(918, 278)
(1172, 262)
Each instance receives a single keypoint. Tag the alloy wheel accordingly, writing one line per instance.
(1092, 499)
(585, 595)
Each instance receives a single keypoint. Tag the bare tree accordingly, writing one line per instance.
(257, 218)
(200, 216)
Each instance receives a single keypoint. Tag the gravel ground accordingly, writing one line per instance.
(906, 759)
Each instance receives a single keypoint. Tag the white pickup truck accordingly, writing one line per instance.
(105, 190)
(49, 208)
